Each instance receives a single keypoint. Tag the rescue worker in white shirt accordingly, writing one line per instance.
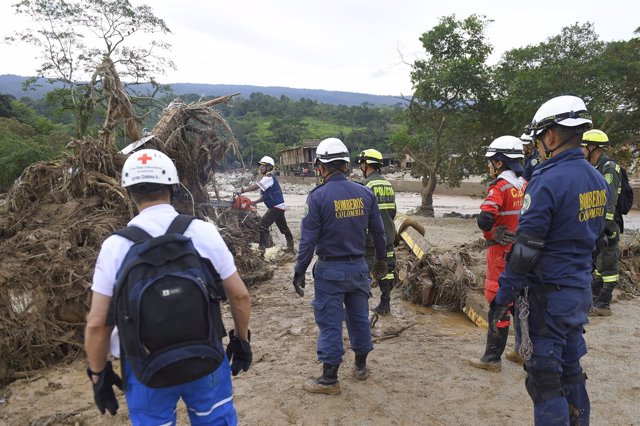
(606, 272)
(272, 196)
(370, 161)
(148, 176)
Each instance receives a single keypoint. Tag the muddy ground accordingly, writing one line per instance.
(419, 377)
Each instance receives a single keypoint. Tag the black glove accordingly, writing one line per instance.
(239, 353)
(103, 389)
(497, 313)
(379, 269)
(298, 283)
(503, 236)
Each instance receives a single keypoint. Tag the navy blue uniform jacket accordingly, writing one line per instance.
(337, 216)
(564, 205)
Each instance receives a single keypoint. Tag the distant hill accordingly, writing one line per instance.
(12, 84)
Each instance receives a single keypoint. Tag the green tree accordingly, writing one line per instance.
(6, 106)
(605, 74)
(22, 145)
(75, 36)
(452, 88)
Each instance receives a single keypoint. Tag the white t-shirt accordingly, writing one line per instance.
(267, 182)
(155, 221)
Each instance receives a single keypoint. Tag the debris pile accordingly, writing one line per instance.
(57, 214)
(629, 282)
(439, 279)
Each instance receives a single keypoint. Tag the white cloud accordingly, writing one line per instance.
(348, 45)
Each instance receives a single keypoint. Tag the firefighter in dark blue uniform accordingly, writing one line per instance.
(337, 216)
(561, 223)
(531, 156)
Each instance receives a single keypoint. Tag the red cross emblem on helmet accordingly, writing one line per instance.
(144, 158)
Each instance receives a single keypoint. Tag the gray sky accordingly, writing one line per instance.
(347, 45)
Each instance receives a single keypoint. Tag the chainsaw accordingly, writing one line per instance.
(239, 202)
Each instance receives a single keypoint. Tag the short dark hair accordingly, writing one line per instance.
(571, 133)
(336, 165)
(146, 192)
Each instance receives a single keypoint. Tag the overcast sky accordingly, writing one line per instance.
(347, 45)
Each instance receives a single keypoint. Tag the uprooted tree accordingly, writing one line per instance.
(57, 214)
(75, 36)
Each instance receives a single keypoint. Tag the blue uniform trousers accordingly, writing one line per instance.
(555, 380)
(209, 400)
(340, 286)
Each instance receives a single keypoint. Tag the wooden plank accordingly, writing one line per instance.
(416, 242)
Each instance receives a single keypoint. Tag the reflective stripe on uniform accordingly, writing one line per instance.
(509, 212)
(609, 216)
(610, 278)
(388, 277)
(389, 254)
(216, 405)
(377, 182)
(386, 206)
(491, 203)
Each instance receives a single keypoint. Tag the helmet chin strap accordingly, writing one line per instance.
(364, 170)
(590, 153)
(548, 152)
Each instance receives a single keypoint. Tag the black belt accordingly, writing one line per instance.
(340, 258)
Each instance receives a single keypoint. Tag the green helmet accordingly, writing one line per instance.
(369, 156)
(595, 137)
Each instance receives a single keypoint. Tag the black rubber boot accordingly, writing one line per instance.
(596, 287)
(384, 307)
(495, 346)
(264, 237)
(361, 371)
(290, 246)
(327, 384)
(602, 306)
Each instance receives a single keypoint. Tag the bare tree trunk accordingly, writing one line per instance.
(426, 193)
(429, 182)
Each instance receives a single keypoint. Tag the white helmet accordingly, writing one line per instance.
(526, 139)
(149, 166)
(509, 146)
(332, 149)
(566, 110)
(267, 160)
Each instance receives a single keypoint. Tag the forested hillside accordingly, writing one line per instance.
(12, 85)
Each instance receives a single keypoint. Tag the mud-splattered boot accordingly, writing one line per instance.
(361, 372)
(514, 356)
(602, 306)
(495, 346)
(327, 384)
(290, 247)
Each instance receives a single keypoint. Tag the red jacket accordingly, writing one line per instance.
(503, 202)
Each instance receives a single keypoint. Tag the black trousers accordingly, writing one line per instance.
(272, 216)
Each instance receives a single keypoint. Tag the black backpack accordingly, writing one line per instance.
(166, 304)
(625, 199)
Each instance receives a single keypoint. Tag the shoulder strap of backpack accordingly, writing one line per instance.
(180, 224)
(133, 233)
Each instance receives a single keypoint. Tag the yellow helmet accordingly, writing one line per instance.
(595, 137)
(369, 156)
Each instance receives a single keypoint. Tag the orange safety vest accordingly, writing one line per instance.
(504, 202)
